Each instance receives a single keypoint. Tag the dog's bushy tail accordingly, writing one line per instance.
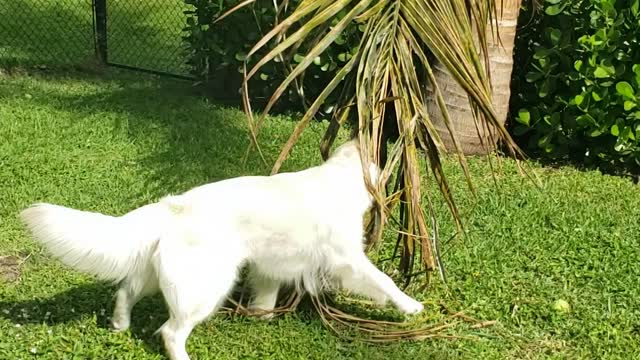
(106, 246)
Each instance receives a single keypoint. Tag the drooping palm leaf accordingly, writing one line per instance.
(385, 81)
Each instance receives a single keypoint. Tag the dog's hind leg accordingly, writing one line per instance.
(265, 293)
(194, 283)
(191, 303)
(360, 276)
(131, 290)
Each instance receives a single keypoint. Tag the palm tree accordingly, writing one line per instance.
(500, 57)
(382, 87)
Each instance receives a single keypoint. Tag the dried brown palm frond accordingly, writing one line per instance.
(441, 325)
(384, 331)
(384, 82)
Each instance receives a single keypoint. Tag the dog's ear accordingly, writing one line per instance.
(350, 149)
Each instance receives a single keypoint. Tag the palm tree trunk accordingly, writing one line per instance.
(476, 139)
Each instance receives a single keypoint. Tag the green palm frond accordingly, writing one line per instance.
(385, 81)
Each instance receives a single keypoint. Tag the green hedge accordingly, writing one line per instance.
(577, 83)
(216, 53)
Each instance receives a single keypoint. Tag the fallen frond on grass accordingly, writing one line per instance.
(427, 325)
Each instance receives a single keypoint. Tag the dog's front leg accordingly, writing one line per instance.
(265, 293)
(362, 277)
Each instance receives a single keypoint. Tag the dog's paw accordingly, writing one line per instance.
(119, 326)
(410, 307)
(266, 317)
(260, 313)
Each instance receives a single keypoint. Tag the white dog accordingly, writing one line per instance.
(303, 228)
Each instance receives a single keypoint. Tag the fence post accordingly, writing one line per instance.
(100, 13)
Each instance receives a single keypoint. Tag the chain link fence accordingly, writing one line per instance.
(46, 32)
(147, 34)
(142, 35)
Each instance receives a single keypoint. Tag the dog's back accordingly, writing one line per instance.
(292, 227)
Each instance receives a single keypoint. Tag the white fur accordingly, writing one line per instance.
(303, 228)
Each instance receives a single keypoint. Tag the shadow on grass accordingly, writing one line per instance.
(65, 307)
(630, 173)
(97, 300)
(88, 300)
(183, 141)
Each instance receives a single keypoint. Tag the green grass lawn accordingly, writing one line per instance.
(114, 142)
